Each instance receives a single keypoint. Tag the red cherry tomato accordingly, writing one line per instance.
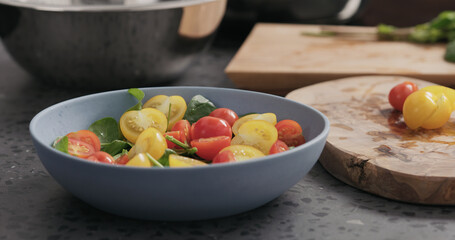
(183, 126)
(224, 156)
(278, 146)
(87, 137)
(294, 142)
(208, 148)
(103, 157)
(288, 129)
(225, 113)
(400, 92)
(79, 148)
(208, 127)
(124, 159)
(179, 135)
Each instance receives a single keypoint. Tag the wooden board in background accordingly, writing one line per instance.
(369, 146)
(277, 58)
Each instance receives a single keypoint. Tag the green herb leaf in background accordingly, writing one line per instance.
(450, 52)
(198, 107)
(440, 29)
(139, 95)
(107, 130)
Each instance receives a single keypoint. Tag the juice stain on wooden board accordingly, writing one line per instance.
(370, 147)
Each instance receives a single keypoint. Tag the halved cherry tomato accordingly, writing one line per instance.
(183, 126)
(278, 146)
(177, 135)
(243, 152)
(123, 159)
(288, 129)
(151, 141)
(101, 156)
(140, 160)
(224, 156)
(79, 148)
(208, 148)
(132, 123)
(208, 126)
(86, 136)
(294, 142)
(400, 92)
(225, 113)
(176, 104)
(181, 161)
(269, 117)
(259, 134)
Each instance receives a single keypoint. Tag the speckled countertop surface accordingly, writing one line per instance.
(34, 206)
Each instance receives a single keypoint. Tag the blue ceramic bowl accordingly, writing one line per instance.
(177, 194)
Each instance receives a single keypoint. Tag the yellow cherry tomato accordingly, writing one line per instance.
(151, 141)
(237, 140)
(162, 102)
(259, 134)
(269, 117)
(426, 109)
(140, 160)
(132, 152)
(448, 92)
(244, 152)
(132, 123)
(181, 161)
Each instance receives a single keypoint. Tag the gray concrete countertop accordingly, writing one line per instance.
(34, 206)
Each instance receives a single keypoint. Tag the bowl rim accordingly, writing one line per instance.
(323, 134)
(131, 7)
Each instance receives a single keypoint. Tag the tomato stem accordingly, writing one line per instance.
(177, 142)
(154, 161)
(188, 149)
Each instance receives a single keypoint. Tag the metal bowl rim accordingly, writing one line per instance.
(147, 6)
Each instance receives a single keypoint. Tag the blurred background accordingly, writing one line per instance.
(241, 15)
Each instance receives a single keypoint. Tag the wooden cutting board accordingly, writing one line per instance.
(277, 58)
(369, 146)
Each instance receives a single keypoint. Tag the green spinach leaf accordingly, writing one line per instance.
(118, 155)
(164, 160)
(61, 144)
(115, 147)
(198, 107)
(139, 95)
(107, 130)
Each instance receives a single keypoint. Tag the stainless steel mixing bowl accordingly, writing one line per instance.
(108, 44)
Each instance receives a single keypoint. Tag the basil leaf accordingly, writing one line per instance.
(139, 95)
(61, 144)
(107, 130)
(164, 160)
(198, 107)
(115, 147)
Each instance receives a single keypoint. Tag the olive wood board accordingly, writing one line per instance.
(278, 58)
(370, 147)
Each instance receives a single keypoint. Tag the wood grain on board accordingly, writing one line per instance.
(369, 146)
(277, 58)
